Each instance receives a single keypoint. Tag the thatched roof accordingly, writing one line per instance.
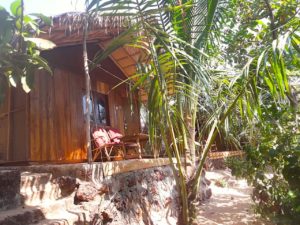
(67, 30)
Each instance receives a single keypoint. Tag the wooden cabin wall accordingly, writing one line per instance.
(19, 126)
(57, 125)
(124, 113)
(48, 123)
(116, 109)
(13, 126)
(131, 114)
(56, 121)
(4, 119)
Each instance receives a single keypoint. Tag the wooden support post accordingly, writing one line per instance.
(88, 91)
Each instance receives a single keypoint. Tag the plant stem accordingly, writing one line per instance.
(211, 138)
(21, 28)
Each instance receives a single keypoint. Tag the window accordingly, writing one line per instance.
(98, 108)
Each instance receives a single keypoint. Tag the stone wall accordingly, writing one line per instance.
(145, 196)
(103, 193)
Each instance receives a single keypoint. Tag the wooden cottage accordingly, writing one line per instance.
(48, 124)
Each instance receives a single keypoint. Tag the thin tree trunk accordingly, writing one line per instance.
(272, 23)
(190, 125)
(88, 91)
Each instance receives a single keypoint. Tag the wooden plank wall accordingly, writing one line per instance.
(13, 129)
(55, 118)
(124, 113)
(4, 129)
(18, 126)
(131, 114)
(57, 130)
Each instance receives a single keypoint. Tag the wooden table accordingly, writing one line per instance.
(136, 138)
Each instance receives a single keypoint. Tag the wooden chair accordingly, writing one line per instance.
(103, 142)
(127, 146)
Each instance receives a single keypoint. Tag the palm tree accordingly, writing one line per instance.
(179, 38)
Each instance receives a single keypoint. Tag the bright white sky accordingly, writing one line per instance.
(48, 7)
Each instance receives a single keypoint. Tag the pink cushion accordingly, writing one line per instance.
(116, 140)
(101, 137)
(114, 135)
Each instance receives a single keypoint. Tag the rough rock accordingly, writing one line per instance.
(66, 184)
(86, 192)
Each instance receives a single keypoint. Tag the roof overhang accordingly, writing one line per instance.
(67, 30)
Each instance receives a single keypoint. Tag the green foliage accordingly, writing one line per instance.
(273, 165)
(228, 71)
(267, 124)
(19, 48)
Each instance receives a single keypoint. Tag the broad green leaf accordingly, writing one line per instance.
(260, 58)
(264, 21)
(42, 64)
(41, 44)
(296, 43)
(270, 85)
(19, 23)
(12, 80)
(284, 75)
(25, 86)
(30, 77)
(28, 19)
(16, 8)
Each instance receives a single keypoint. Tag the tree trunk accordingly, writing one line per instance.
(88, 91)
(190, 125)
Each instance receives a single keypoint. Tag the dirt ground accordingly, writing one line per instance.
(230, 203)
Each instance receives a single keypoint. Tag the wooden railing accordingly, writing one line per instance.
(225, 154)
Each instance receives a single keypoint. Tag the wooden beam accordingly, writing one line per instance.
(112, 58)
(128, 66)
(127, 56)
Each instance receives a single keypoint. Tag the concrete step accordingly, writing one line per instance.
(36, 188)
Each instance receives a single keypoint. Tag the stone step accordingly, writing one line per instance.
(53, 222)
(21, 215)
(9, 189)
(59, 215)
(60, 212)
(36, 188)
(64, 217)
